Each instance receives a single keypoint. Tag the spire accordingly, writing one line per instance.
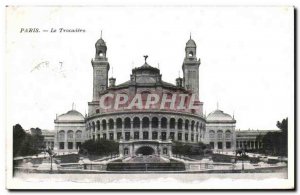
(190, 35)
(101, 35)
(73, 106)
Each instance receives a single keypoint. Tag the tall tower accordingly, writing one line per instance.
(190, 67)
(100, 69)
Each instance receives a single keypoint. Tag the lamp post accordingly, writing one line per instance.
(243, 155)
(51, 155)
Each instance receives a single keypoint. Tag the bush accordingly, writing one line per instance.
(99, 147)
(179, 148)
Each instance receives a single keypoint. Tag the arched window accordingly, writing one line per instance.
(136, 122)
(163, 122)
(111, 124)
(127, 123)
(211, 134)
(93, 126)
(70, 134)
(197, 126)
(61, 135)
(104, 124)
(172, 123)
(179, 123)
(78, 134)
(154, 122)
(220, 134)
(228, 134)
(119, 123)
(192, 125)
(190, 54)
(186, 124)
(145, 122)
(98, 125)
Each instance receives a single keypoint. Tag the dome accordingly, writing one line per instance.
(191, 43)
(219, 116)
(100, 42)
(146, 67)
(71, 115)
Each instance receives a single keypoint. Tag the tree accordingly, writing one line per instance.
(276, 143)
(18, 137)
(37, 138)
(177, 148)
(25, 144)
(283, 141)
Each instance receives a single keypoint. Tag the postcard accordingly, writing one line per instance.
(150, 97)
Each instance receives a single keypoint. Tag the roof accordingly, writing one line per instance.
(146, 66)
(47, 132)
(219, 116)
(190, 43)
(101, 42)
(72, 115)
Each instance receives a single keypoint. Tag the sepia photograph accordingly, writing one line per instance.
(150, 97)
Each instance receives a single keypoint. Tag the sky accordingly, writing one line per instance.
(246, 57)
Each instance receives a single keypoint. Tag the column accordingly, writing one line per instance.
(107, 127)
(101, 130)
(115, 129)
(131, 129)
(168, 129)
(223, 141)
(66, 140)
(123, 124)
(159, 130)
(150, 129)
(141, 130)
(176, 131)
(74, 141)
(190, 133)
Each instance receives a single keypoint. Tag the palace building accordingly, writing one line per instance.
(146, 130)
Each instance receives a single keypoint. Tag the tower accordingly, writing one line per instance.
(190, 67)
(100, 69)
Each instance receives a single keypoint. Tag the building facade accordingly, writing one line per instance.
(221, 134)
(151, 128)
(69, 131)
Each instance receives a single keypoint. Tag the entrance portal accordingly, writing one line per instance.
(145, 150)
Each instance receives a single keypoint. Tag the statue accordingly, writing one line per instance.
(145, 58)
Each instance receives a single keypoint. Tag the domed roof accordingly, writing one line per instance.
(72, 115)
(219, 116)
(190, 43)
(146, 66)
(100, 42)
